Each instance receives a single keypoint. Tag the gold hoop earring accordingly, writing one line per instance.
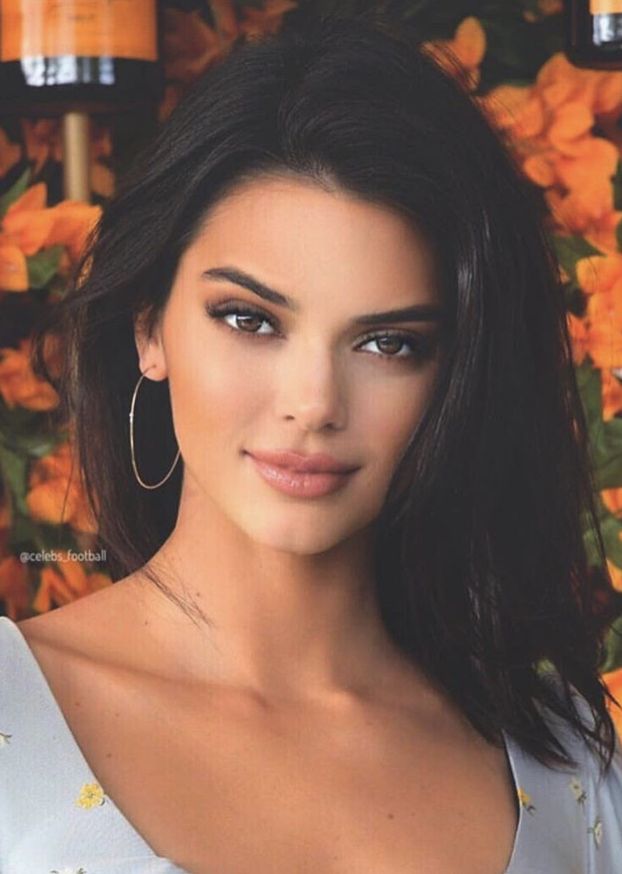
(133, 456)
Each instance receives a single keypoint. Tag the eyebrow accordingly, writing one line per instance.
(417, 313)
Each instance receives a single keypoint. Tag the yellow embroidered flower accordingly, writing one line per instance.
(525, 800)
(576, 787)
(597, 831)
(91, 795)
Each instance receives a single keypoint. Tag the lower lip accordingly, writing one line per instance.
(299, 484)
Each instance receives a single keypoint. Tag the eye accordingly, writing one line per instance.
(422, 347)
(250, 316)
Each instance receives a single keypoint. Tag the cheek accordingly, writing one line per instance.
(392, 418)
(213, 397)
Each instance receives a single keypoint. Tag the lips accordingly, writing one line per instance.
(301, 484)
(299, 463)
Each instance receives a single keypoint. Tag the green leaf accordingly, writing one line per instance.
(15, 192)
(22, 533)
(28, 432)
(591, 546)
(14, 471)
(606, 448)
(611, 528)
(43, 266)
(590, 388)
(605, 438)
(569, 250)
(613, 647)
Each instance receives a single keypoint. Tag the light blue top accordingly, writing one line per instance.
(55, 817)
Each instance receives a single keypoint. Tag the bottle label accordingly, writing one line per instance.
(83, 28)
(604, 7)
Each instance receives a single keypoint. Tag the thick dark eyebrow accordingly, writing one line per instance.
(416, 313)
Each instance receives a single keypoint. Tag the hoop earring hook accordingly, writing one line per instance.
(132, 452)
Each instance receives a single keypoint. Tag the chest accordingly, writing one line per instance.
(220, 787)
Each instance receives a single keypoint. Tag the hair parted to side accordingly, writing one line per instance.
(481, 569)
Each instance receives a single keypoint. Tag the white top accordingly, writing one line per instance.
(56, 818)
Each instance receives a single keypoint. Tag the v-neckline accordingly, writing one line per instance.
(72, 743)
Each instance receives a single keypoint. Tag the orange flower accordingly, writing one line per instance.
(190, 45)
(597, 274)
(14, 589)
(599, 333)
(544, 8)
(13, 269)
(30, 226)
(55, 493)
(604, 313)
(34, 197)
(102, 179)
(18, 384)
(611, 394)
(173, 93)
(43, 140)
(97, 581)
(65, 582)
(5, 516)
(550, 126)
(601, 232)
(73, 221)
(27, 222)
(612, 499)
(461, 55)
(616, 575)
(225, 20)
(267, 19)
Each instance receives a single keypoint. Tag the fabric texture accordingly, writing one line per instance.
(55, 817)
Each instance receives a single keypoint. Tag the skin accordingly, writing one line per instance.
(290, 711)
(286, 582)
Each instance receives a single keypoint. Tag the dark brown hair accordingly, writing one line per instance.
(481, 569)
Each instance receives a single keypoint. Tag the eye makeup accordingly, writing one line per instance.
(423, 346)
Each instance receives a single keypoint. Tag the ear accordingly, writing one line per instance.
(148, 339)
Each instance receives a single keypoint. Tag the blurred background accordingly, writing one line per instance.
(84, 88)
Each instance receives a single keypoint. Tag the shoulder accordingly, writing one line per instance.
(90, 628)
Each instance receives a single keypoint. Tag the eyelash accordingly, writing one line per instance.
(423, 347)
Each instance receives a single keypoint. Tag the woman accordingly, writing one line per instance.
(351, 544)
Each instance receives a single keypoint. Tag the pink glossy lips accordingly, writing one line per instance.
(308, 476)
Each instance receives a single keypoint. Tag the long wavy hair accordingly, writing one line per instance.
(482, 575)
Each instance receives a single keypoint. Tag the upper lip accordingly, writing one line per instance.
(297, 461)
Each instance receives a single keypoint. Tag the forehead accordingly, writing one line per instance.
(297, 231)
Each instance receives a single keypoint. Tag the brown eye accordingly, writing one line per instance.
(420, 348)
(390, 344)
(247, 321)
(244, 316)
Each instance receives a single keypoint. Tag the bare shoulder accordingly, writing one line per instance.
(91, 627)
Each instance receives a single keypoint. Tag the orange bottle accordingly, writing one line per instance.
(92, 55)
(593, 33)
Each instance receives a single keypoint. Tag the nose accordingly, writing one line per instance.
(312, 391)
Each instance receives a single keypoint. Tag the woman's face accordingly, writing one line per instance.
(305, 376)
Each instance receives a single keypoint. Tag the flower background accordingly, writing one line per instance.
(564, 124)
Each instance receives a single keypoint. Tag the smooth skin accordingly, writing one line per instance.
(287, 734)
